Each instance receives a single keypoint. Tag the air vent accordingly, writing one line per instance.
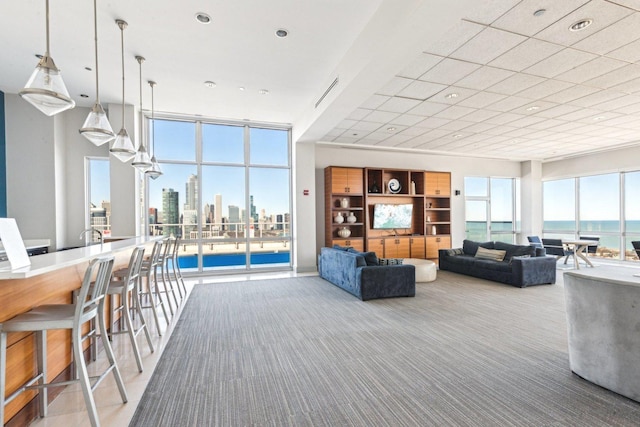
(326, 92)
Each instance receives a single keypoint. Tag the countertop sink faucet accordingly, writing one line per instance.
(92, 230)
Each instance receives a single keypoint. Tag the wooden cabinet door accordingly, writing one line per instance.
(357, 244)
(397, 247)
(417, 247)
(437, 183)
(346, 180)
(377, 246)
(437, 242)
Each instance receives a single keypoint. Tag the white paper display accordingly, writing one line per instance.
(13, 244)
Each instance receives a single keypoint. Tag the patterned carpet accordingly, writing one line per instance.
(302, 352)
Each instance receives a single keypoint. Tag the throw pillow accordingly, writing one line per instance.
(370, 257)
(456, 251)
(470, 247)
(492, 254)
(389, 261)
(518, 257)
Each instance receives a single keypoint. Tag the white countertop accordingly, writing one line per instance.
(621, 275)
(53, 261)
(32, 244)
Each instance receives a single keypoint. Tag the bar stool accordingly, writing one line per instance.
(151, 291)
(165, 256)
(177, 274)
(127, 288)
(88, 305)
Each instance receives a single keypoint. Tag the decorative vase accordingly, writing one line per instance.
(338, 219)
(344, 232)
(344, 203)
(433, 230)
(351, 218)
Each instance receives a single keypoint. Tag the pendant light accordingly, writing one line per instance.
(154, 172)
(122, 147)
(96, 127)
(141, 161)
(45, 90)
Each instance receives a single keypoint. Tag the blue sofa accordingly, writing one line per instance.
(522, 265)
(359, 274)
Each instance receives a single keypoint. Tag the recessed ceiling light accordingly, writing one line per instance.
(539, 12)
(599, 118)
(581, 24)
(203, 18)
(263, 92)
(533, 108)
(209, 83)
(84, 95)
(391, 128)
(451, 95)
(282, 33)
(354, 134)
(241, 88)
(457, 135)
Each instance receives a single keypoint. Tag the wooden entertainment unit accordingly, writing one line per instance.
(354, 192)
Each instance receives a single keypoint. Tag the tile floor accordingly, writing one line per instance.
(68, 409)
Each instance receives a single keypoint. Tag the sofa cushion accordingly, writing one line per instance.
(469, 247)
(515, 250)
(389, 261)
(491, 254)
(465, 260)
(370, 257)
(456, 251)
(487, 264)
(518, 257)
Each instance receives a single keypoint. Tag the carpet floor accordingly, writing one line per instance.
(302, 352)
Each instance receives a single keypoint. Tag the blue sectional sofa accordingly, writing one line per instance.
(360, 274)
(522, 265)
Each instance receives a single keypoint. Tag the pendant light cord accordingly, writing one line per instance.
(47, 13)
(153, 124)
(140, 61)
(122, 50)
(95, 38)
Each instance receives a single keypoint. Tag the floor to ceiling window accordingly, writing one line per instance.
(98, 213)
(225, 191)
(491, 208)
(606, 206)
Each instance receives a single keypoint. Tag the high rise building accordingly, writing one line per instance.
(254, 214)
(234, 217)
(170, 212)
(279, 224)
(218, 206)
(191, 193)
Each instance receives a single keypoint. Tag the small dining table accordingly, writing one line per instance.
(579, 250)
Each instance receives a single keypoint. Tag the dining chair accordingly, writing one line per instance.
(556, 248)
(534, 241)
(87, 304)
(593, 248)
(636, 247)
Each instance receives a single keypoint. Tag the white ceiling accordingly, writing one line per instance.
(526, 86)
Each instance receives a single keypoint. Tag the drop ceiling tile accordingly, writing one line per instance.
(478, 137)
(526, 121)
(345, 140)
(515, 84)
(504, 118)
(480, 116)
(617, 103)
(377, 136)
(391, 130)
(451, 40)
(346, 124)
(526, 54)
(448, 71)
(456, 125)
(421, 90)
(428, 108)
(510, 103)
(594, 68)
(455, 112)
(375, 101)
(484, 77)
(632, 86)
(479, 127)
(436, 133)
(365, 126)
(569, 94)
(433, 123)
(381, 116)
(519, 133)
(630, 109)
(397, 139)
(545, 88)
(398, 105)
(333, 133)
(631, 4)
(420, 65)
(481, 99)
(394, 86)
(581, 114)
(566, 127)
(628, 53)
(616, 35)
(413, 131)
(487, 45)
(620, 121)
(541, 134)
(500, 130)
(407, 120)
(358, 114)
(615, 77)
(558, 110)
(603, 13)
(560, 62)
(454, 95)
(520, 19)
(597, 98)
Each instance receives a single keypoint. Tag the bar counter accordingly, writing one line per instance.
(51, 279)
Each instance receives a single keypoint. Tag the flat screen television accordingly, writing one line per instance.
(389, 216)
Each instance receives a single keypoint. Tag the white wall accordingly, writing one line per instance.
(304, 207)
(458, 166)
(531, 200)
(612, 161)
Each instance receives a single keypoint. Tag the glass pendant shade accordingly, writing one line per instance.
(154, 171)
(96, 127)
(45, 90)
(141, 160)
(123, 147)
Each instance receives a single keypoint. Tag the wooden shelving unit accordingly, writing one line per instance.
(344, 195)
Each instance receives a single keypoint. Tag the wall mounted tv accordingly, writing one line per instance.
(390, 216)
